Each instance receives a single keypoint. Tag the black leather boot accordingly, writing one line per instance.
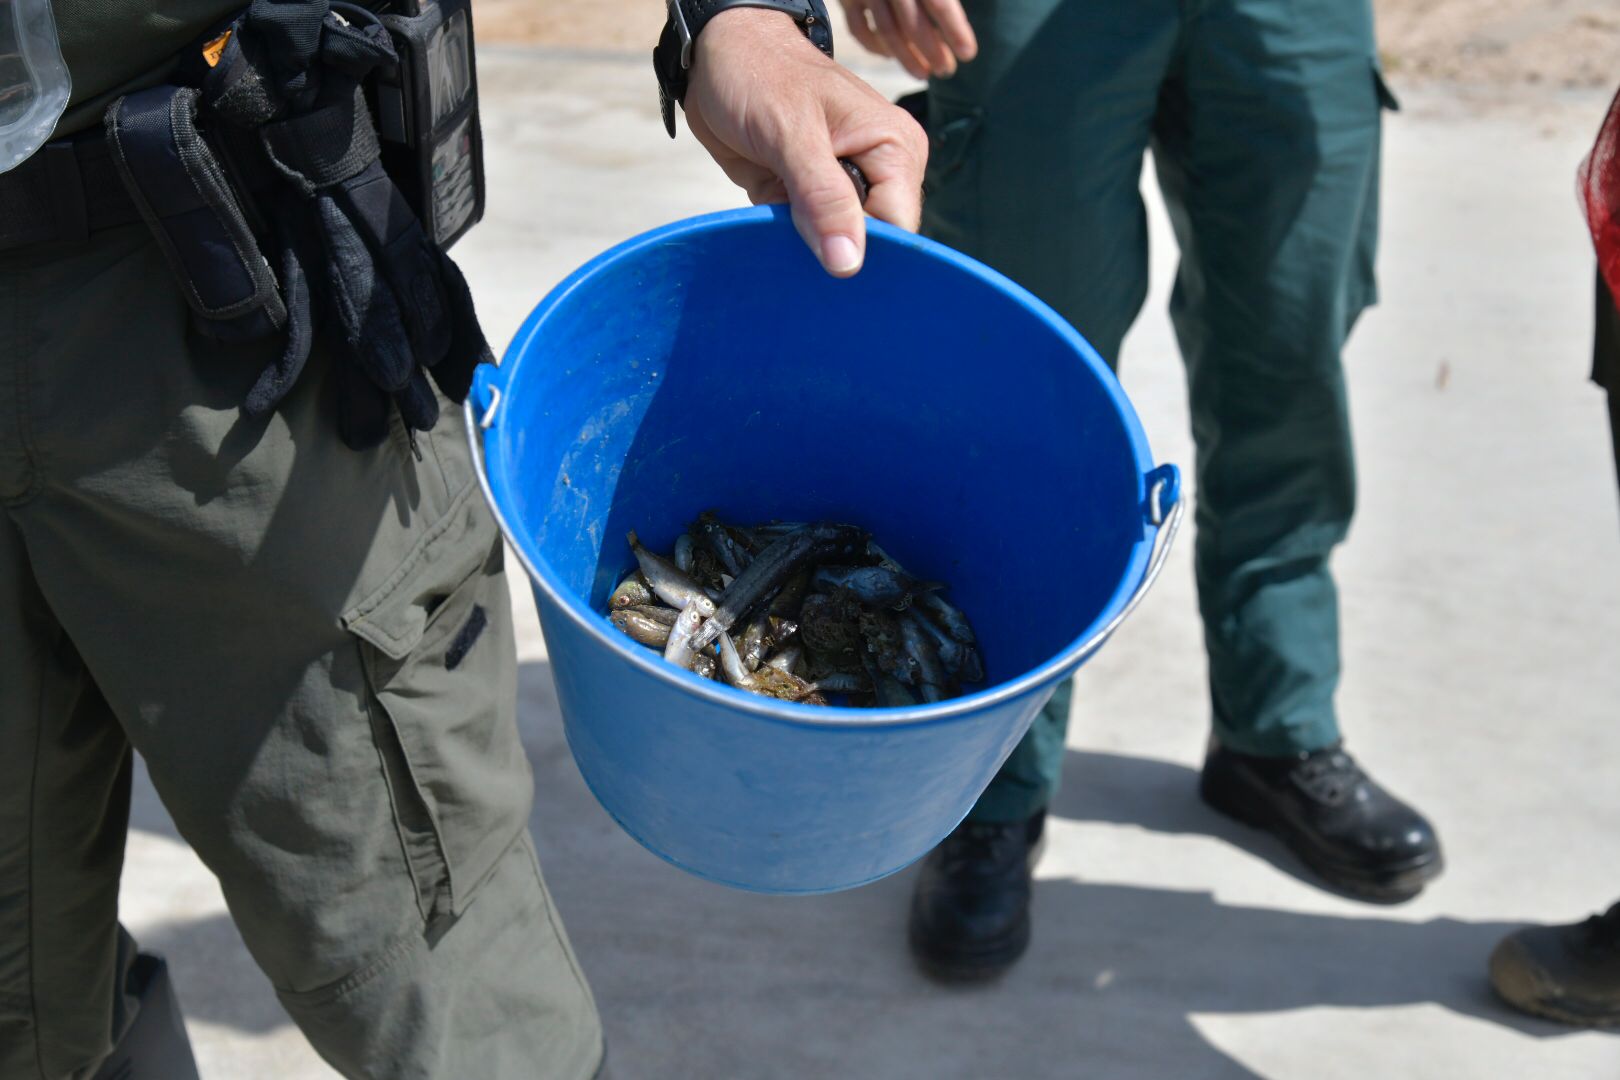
(1569, 973)
(1354, 834)
(970, 912)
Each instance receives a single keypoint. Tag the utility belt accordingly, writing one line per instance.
(303, 175)
(426, 115)
(67, 190)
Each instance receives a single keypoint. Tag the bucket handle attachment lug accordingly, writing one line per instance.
(1164, 511)
(478, 422)
(487, 421)
(483, 396)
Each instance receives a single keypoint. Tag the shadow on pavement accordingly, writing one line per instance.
(1162, 796)
(1188, 952)
(214, 976)
(146, 813)
(697, 980)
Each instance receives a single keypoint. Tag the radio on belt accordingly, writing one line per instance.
(427, 116)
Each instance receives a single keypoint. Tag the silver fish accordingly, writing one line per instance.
(640, 628)
(668, 583)
(844, 682)
(656, 612)
(787, 660)
(679, 650)
(932, 680)
(770, 681)
(960, 660)
(632, 592)
(773, 566)
(732, 668)
(817, 609)
(781, 630)
(954, 622)
(756, 640)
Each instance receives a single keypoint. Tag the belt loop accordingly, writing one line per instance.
(67, 192)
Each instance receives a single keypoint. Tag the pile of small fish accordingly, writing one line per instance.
(798, 612)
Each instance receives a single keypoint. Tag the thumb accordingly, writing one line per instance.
(826, 208)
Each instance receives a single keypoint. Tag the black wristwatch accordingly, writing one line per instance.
(687, 18)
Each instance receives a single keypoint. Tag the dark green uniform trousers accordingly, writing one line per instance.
(1264, 118)
(311, 648)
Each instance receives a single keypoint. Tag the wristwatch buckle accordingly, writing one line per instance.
(678, 19)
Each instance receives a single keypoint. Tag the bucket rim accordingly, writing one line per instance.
(489, 387)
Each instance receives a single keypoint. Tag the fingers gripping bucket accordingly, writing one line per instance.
(711, 364)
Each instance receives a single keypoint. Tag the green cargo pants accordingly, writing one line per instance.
(311, 648)
(1264, 119)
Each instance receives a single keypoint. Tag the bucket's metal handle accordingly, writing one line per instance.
(480, 417)
(1164, 486)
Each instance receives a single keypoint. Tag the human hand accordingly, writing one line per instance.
(777, 114)
(928, 37)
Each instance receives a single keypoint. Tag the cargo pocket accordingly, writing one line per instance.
(1361, 288)
(436, 645)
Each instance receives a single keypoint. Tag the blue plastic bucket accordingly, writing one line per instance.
(712, 364)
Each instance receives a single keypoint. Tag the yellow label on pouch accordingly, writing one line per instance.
(215, 49)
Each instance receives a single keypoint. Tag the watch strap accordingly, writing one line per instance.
(673, 57)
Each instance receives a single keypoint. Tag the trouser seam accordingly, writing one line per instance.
(322, 996)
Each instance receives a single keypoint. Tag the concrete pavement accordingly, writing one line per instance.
(1481, 598)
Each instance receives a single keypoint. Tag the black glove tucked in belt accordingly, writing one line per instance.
(266, 191)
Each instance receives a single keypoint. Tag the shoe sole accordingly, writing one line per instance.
(1548, 1011)
(1551, 1011)
(991, 961)
(1392, 885)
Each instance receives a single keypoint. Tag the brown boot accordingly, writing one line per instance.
(1568, 973)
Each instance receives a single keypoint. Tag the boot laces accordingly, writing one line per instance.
(1328, 776)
